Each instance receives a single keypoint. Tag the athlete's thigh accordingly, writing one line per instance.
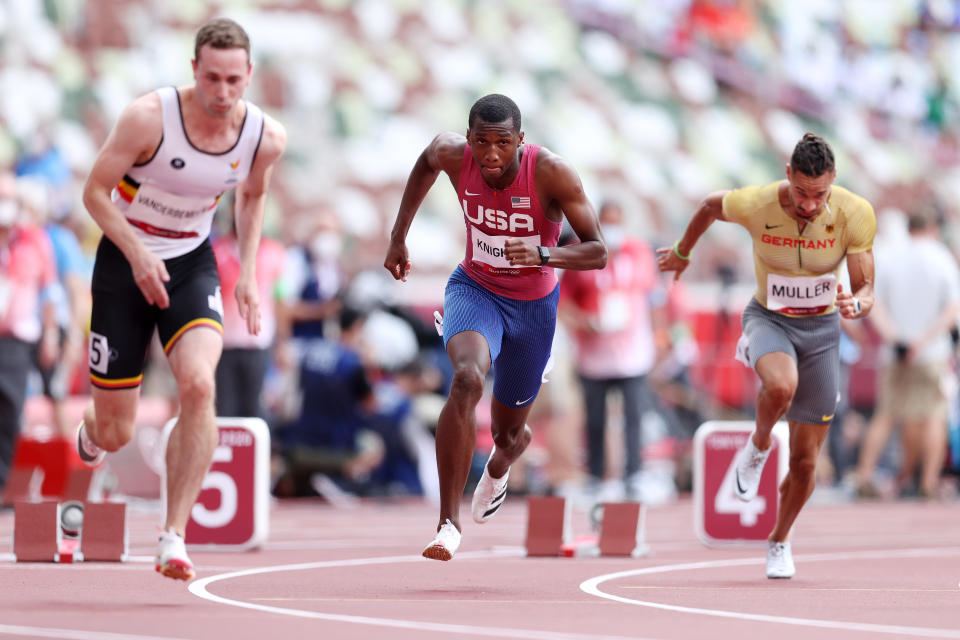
(469, 307)
(195, 355)
(528, 338)
(195, 301)
(121, 322)
(764, 333)
(818, 371)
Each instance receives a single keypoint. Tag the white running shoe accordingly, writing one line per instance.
(172, 560)
(91, 454)
(779, 560)
(489, 494)
(746, 482)
(445, 544)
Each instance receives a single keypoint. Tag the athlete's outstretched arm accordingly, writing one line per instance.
(444, 153)
(859, 302)
(710, 209)
(248, 214)
(134, 138)
(561, 194)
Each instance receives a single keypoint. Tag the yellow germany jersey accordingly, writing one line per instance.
(797, 271)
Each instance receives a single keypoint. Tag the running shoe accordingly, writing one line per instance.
(779, 560)
(445, 544)
(172, 560)
(746, 482)
(91, 454)
(489, 494)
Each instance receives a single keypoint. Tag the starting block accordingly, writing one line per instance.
(548, 526)
(71, 531)
(36, 531)
(622, 527)
(623, 530)
(103, 536)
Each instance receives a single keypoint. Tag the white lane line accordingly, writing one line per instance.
(72, 634)
(592, 586)
(199, 588)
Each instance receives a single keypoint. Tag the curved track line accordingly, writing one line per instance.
(199, 588)
(591, 586)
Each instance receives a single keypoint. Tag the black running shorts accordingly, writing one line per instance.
(122, 322)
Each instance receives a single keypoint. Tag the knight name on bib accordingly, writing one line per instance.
(800, 295)
(489, 252)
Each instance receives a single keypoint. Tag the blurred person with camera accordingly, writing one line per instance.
(918, 303)
(153, 190)
(802, 229)
(500, 304)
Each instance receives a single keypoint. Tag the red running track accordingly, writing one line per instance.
(866, 570)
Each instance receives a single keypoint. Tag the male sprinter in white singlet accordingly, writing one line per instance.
(802, 228)
(153, 191)
(500, 305)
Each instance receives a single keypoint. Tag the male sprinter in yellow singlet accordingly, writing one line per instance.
(154, 190)
(802, 228)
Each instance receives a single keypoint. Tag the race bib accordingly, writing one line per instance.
(489, 252)
(168, 221)
(799, 295)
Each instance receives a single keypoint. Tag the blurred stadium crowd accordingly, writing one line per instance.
(656, 103)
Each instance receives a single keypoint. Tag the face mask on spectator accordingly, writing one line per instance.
(325, 245)
(613, 233)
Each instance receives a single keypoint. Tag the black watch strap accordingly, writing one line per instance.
(544, 254)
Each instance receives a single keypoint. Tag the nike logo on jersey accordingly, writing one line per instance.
(471, 194)
(772, 226)
(828, 418)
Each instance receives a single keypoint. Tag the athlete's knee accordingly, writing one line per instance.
(803, 466)
(467, 381)
(112, 431)
(196, 388)
(512, 439)
(780, 390)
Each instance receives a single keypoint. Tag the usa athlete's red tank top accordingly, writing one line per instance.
(492, 216)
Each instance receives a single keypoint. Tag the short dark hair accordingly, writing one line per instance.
(812, 156)
(221, 33)
(494, 108)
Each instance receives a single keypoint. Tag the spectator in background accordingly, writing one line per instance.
(313, 278)
(617, 318)
(28, 275)
(243, 364)
(70, 295)
(328, 437)
(918, 302)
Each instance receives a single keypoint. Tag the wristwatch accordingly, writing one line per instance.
(544, 254)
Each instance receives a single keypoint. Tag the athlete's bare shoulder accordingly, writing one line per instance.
(554, 175)
(139, 128)
(445, 151)
(274, 140)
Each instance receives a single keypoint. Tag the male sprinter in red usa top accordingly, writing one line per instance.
(500, 305)
(153, 190)
(802, 228)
